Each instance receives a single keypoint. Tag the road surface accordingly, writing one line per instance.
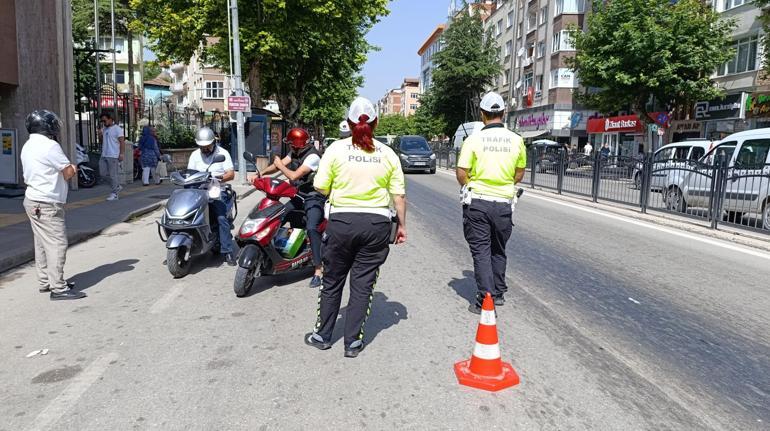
(611, 323)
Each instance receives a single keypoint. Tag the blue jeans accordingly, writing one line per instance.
(219, 209)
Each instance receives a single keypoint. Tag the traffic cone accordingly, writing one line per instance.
(485, 370)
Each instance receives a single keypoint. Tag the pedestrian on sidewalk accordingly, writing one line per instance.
(113, 147)
(588, 149)
(363, 179)
(491, 163)
(148, 146)
(46, 172)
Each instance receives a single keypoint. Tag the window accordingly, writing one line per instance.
(541, 49)
(530, 49)
(527, 81)
(499, 28)
(509, 20)
(569, 6)
(753, 154)
(106, 43)
(506, 76)
(697, 153)
(531, 22)
(120, 76)
(539, 83)
(724, 150)
(508, 48)
(745, 59)
(562, 42)
(415, 96)
(729, 4)
(543, 15)
(215, 90)
(413, 107)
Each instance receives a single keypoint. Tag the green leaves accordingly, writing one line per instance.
(634, 50)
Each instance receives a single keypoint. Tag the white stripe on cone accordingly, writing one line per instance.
(486, 351)
(488, 318)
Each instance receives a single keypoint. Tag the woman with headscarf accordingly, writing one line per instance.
(148, 145)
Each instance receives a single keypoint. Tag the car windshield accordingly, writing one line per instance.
(725, 151)
(414, 145)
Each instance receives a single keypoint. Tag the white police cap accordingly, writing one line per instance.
(344, 127)
(492, 102)
(362, 106)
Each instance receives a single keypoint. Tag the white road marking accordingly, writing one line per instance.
(716, 243)
(634, 300)
(166, 300)
(67, 398)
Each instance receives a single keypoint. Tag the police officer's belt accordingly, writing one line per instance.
(383, 211)
(489, 198)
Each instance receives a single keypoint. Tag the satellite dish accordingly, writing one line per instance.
(518, 84)
(521, 51)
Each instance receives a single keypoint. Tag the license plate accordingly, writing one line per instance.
(420, 164)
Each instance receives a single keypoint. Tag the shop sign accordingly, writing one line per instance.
(534, 121)
(689, 126)
(731, 107)
(758, 105)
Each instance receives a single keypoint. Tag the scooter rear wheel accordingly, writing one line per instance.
(177, 265)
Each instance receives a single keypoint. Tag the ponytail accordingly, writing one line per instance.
(363, 133)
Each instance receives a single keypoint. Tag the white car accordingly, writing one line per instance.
(668, 157)
(747, 186)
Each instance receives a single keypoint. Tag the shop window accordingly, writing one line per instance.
(744, 59)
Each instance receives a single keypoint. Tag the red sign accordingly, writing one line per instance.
(619, 124)
(108, 102)
(239, 103)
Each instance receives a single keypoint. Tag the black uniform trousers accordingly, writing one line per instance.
(355, 243)
(487, 227)
(314, 215)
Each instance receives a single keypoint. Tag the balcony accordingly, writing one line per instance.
(527, 62)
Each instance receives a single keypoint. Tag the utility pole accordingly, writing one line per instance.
(241, 135)
(97, 42)
(114, 60)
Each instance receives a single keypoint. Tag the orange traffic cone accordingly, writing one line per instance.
(485, 370)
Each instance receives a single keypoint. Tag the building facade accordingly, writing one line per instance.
(390, 103)
(36, 72)
(429, 48)
(410, 96)
(501, 25)
(122, 77)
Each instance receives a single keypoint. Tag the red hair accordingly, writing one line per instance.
(363, 133)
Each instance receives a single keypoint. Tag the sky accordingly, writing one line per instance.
(399, 36)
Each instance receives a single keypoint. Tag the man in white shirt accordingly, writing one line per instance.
(113, 147)
(46, 172)
(299, 167)
(588, 149)
(200, 160)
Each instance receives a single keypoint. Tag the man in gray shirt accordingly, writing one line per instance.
(113, 147)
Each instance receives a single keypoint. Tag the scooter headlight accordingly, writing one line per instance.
(249, 228)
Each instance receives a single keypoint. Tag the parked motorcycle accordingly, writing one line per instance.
(86, 175)
(258, 238)
(186, 226)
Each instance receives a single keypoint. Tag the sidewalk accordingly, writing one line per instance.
(88, 214)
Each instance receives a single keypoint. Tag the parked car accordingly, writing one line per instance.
(415, 154)
(464, 130)
(670, 157)
(547, 158)
(747, 186)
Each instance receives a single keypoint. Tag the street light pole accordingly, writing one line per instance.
(98, 72)
(241, 134)
(114, 60)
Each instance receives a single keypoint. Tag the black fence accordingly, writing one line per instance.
(710, 190)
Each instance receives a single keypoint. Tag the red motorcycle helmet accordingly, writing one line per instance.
(298, 138)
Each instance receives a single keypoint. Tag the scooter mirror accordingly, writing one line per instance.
(219, 158)
(249, 157)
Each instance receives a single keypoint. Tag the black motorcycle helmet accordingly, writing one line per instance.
(44, 122)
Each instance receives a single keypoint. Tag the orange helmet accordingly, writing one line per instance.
(298, 138)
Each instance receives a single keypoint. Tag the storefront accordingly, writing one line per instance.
(624, 134)
(758, 110)
(682, 130)
(722, 117)
(566, 127)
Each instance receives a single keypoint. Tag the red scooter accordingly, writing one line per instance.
(259, 255)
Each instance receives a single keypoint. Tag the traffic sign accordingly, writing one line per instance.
(239, 104)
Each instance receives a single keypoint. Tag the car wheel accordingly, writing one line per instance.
(433, 170)
(766, 216)
(675, 200)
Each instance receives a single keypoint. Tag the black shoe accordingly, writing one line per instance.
(352, 352)
(67, 294)
(500, 300)
(230, 259)
(311, 340)
(316, 281)
(70, 285)
(474, 308)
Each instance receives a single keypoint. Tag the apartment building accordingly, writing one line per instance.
(427, 50)
(122, 77)
(199, 87)
(390, 103)
(410, 96)
(542, 86)
(501, 25)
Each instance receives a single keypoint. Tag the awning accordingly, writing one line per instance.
(532, 133)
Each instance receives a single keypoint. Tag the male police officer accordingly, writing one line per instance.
(491, 162)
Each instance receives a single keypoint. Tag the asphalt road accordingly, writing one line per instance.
(611, 325)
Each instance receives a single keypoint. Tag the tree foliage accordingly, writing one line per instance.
(466, 66)
(764, 17)
(152, 69)
(635, 51)
(286, 45)
(395, 124)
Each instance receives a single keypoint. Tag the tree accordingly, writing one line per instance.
(764, 17)
(286, 45)
(395, 124)
(152, 69)
(425, 122)
(466, 66)
(637, 51)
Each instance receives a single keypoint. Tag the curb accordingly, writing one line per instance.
(26, 256)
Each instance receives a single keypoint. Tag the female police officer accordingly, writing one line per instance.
(362, 178)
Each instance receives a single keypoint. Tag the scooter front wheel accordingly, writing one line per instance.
(177, 265)
(244, 278)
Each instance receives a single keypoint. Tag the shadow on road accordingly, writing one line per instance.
(465, 287)
(384, 315)
(90, 278)
(268, 282)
